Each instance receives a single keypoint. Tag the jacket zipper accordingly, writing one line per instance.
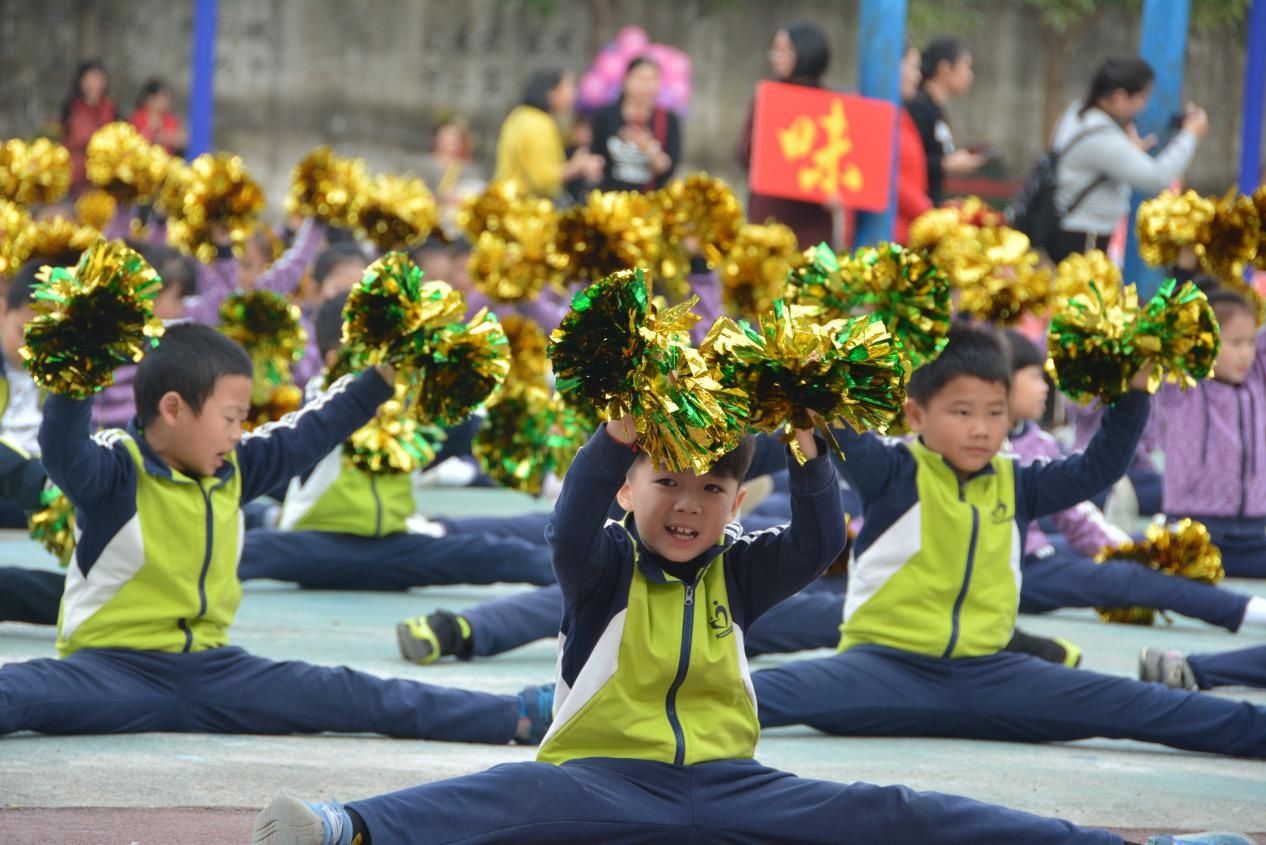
(971, 559)
(1239, 408)
(206, 566)
(373, 489)
(683, 662)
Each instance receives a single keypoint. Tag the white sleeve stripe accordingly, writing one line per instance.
(291, 420)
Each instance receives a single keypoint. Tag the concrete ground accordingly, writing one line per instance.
(171, 788)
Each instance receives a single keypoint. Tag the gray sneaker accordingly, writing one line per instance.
(1166, 667)
(1202, 839)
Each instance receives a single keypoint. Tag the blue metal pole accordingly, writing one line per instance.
(1163, 43)
(1254, 98)
(882, 34)
(201, 77)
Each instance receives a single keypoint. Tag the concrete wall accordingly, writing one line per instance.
(371, 78)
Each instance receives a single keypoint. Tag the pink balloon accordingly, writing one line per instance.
(593, 90)
(675, 63)
(610, 67)
(678, 91)
(659, 52)
(631, 41)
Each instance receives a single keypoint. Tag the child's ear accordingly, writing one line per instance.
(738, 502)
(914, 415)
(170, 407)
(624, 496)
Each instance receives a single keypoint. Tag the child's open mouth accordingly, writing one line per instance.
(681, 533)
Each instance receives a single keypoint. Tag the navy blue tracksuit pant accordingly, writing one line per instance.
(735, 802)
(226, 690)
(330, 561)
(1245, 667)
(872, 690)
(30, 595)
(1069, 579)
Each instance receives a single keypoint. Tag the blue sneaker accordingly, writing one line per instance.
(289, 821)
(1202, 839)
(536, 704)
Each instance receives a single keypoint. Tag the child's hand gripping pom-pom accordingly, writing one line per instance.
(53, 525)
(270, 330)
(1183, 549)
(324, 186)
(91, 319)
(528, 435)
(617, 353)
(456, 368)
(801, 374)
(389, 306)
(392, 442)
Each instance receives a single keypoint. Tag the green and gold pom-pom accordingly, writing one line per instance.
(389, 306)
(91, 319)
(457, 369)
(1178, 333)
(218, 192)
(1168, 222)
(528, 435)
(271, 399)
(395, 212)
(612, 231)
(35, 173)
(125, 165)
(325, 186)
(392, 442)
(1001, 278)
(1079, 269)
(699, 208)
(818, 284)
(907, 292)
(800, 373)
(754, 272)
(13, 222)
(528, 346)
(271, 331)
(53, 525)
(1183, 549)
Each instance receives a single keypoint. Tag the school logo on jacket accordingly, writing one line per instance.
(720, 622)
(1001, 514)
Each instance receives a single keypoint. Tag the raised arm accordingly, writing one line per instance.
(215, 282)
(284, 275)
(277, 452)
(87, 469)
(575, 528)
(870, 462)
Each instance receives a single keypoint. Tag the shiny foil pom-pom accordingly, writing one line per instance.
(53, 525)
(1001, 277)
(271, 331)
(1079, 269)
(1230, 241)
(754, 272)
(91, 319)
(1177, 332)
(390, 306)
(13, 222)
(1168, 222)
(1091, 349)
(50, 238)
(528, 435)
(219, 192)
(95, 208)
(125, 165)
(1182, 549)
(519, 262)
(701, 209)
(392, 442)
(35, 173)
(611, 232)
(906, 291)
(395, 212)
(528, 345)
(325, 186)
(458, 368)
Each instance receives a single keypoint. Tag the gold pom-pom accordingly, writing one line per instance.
(34, 173)
(1079, 269)
(1230, 240)
(613, 231)
(518, 260)
(700, 208)
(219, 192)
(270, 402)
(392, 442)
(487, 211)
(458, 368)
(395, 212)
(931, 227)
(95, 208)
(170, 199)
(974, 211)
(53, 525)
(1008, 279)
(271, 331)
(91, 319)
(121, 162)
(1183, 549)
(1168, 222)
(1259, 202)
(13, 222)
(1177, 331)
(528, 435)
(49, 238)
(528, 345)
(754, 272)
(325, 186)
(388, 309)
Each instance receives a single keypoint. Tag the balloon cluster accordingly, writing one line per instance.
(602, 82)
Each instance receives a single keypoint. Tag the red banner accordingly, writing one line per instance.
(811, 144)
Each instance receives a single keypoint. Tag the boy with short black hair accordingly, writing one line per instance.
(934, 583)
(153, 588)
(655, 724)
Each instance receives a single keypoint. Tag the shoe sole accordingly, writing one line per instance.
(411, 648)
(287, 821)
(1149, 666)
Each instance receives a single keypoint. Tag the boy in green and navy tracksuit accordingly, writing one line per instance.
(343, 528)
(655, 719)
(153, 588)
(934, 585)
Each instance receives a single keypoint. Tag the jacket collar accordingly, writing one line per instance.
(938, 461)
(154, 465)
(653, 566)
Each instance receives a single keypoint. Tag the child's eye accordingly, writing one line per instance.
(666, 482)
(714, 488)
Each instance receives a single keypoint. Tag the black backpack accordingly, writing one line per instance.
(1032, 209)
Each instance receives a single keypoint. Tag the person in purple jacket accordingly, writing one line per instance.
(1061, 572)
(1215, 443)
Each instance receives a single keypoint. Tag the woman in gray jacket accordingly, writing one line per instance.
(1103, 158)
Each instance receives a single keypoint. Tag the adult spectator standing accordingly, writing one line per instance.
(530, 145)
(449, 170)
(947, 73)
(912, 165)
(155, 120)
(1103, 157)
(798, 55)
(86, 109)
(639, 139)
